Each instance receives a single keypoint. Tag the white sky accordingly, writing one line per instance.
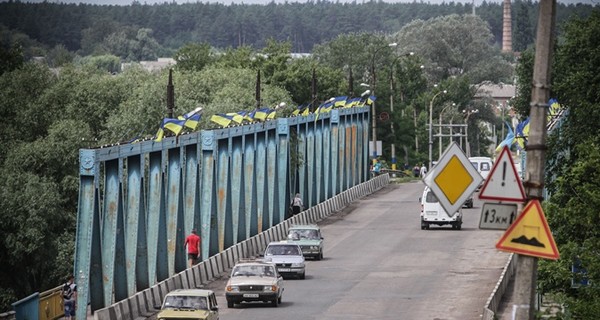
(128, 2)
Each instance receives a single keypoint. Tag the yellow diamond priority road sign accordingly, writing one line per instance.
(453, 179)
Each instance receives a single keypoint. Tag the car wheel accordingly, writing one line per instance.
(230, 304)
(459, 226)
(426, 226)
(303, 275)
(275, 302)
(321, 255)
(279, 299)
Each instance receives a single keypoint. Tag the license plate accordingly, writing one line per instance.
(284, 270)
(250, 295)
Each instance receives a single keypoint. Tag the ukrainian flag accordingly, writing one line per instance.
(261, 114)
(522, 134)
(236, 117)
(221, 119)
(370, 100)
(300, 109)
(508, 141)
(554, 108)
(339, 101)
(173, 125)
(272, 114)
(191, 121)
(159, 135)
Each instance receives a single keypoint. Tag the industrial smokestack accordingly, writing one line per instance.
(506, 28)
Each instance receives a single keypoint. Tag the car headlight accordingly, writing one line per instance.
(232, 289)
(298, 265)
(272, 288)
(314, 247)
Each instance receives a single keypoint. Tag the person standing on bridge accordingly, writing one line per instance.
(69, 293)
(297, 205)
(193, 247)
(423, 171)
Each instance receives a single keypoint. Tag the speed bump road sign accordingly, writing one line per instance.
(530, 234)
(497, 216)
(453, 179)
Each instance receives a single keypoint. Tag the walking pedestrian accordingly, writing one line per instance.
(297, 205)
(69, 292)
(193, 247)
(423, 171)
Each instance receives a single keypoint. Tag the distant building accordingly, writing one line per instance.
(152, 66)
(499, 93)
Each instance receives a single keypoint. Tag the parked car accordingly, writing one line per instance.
(287, 257)
(309, 238)
(432, 212)
(189, 304)
(254, 280)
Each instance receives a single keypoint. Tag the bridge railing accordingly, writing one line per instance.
(137, 201)
(141, 305)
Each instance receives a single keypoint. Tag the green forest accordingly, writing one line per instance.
(77, 96)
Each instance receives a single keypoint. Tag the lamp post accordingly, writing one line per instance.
(392, 106)
(440, 125)
(431, 125)
(468, 113)
(373, 111)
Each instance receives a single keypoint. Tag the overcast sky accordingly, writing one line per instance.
(128, 2)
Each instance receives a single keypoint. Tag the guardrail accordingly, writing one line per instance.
(141, 305)
(491, 306)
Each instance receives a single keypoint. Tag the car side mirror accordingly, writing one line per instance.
(215, 308)
(157, 307)
(322, 238)
(419, 199)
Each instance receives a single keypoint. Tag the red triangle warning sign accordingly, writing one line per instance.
(503, 183)
(530, 234)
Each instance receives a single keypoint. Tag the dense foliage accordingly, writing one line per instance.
(145, 31)
(573, 175)
(50, 113)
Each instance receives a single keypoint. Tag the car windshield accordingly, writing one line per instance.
(253, 271)
(281, 250)
(303, 234)
(186, 302)
(430, 197)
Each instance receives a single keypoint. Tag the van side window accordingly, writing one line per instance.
(430, 197)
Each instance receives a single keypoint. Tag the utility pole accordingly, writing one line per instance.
(526, 277)
(170, 95)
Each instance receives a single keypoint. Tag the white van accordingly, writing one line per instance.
(483, 165)
(432, 212)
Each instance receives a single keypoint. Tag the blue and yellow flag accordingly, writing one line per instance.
(272, 114)
(339, 101)
(236, 117)
(173, 125)
(371, 99)
(509, 140)
(352, 102)
(221, 119)
(554, 109)
(191, 121)
(261, 114)
(300, 109)
(159, 135)
(522, 133)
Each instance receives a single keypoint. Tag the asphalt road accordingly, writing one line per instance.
(379, 264)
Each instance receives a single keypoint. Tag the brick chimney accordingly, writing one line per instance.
(506, 28)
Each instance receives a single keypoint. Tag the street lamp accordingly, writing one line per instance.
(440, 126)
(467, 114)
(431, 125)
(392, 106)
(373, 82)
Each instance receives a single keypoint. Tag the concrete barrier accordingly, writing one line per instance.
(491, 306)
(142, 304)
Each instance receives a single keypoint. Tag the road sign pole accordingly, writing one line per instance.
(526, 276)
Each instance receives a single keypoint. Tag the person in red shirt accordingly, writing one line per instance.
(193, 247)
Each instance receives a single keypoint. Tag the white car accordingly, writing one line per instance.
(254, 281)
(432, 212)
(287, 257)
